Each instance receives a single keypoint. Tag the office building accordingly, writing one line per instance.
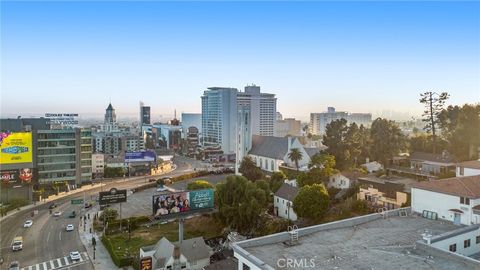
(288, 127)
(319, 121)
(110, 120)
(219, 117)
(144, 114)
(263, 109)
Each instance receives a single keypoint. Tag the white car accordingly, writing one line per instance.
(57, 214)
(75, 255)
(69, 228)
(28, 224)
(162, 188)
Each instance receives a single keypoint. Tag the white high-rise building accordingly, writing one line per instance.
(263, 110)
(319, 121)
(219, 118)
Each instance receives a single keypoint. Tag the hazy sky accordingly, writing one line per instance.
(365, 57)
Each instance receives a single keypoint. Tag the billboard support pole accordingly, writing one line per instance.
(121, 217)
(181, 221)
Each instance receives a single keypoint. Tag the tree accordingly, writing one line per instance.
(249, 169)
(240, 202)
(276, 180)
(334, 139)
(199, 184)
(461, 129)
(311, 202)
(322, 166)
(387, 140)
(113, 172)
(295, 155)
(433, 103)
(424, 143)
(109, 214)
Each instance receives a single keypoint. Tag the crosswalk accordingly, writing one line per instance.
(58, 263)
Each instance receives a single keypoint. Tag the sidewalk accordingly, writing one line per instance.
(52, 198)
(102, 259)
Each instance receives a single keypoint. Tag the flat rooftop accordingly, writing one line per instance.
(360, 243)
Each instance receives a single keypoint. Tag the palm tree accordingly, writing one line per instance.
(295, 155)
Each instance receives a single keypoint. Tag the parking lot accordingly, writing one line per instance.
(140, 203)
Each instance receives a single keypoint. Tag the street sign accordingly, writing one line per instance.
(112, 196)
(77, 201)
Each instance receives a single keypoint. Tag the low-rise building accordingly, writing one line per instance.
(454, 199)
(187, 254)
(98, 165)
(395, 239)
(342, 180)
(269, 153)
(283, 201)
(390, 193)
(468, 168)
(423, 165)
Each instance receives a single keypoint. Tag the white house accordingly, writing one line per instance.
(468, 168)
(188, 254)
(455, 199)
(283, 201)
(339, 180)
(372, 166)
(269, 153)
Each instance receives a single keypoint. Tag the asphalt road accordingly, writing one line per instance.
(46, 244)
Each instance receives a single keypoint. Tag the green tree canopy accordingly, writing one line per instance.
(249, 169)
(199, 184)
(240, 202)
(387, 140)
(311, 202)
(276, 180)
(322, 166)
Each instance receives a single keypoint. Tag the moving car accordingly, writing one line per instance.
(17, 243)
(75, 255)
(57, 214)
(69, 228)
(73, 215)
(14, 266)
(28, 224)
(161, 188)
(88, 205)
(53, 205)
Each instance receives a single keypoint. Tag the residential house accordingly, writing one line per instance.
(283, 201)
(269, 153)
(389, 193)
(187, 254)
(454, 199)
(423, 165)
(373, 166)
(468, 168)
(341, 180)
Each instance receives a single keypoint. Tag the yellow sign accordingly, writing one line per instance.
(15, 147)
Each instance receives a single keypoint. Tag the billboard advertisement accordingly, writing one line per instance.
(182, 202)
(17, 176)
(15, 147)
(112, 196)
(140, 156)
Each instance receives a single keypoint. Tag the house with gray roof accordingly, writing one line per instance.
(269, 153)
(283, 201)
(187, 254)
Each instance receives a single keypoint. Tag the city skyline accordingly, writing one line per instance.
(167, 54)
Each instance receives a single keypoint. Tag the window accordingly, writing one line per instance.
(477, 239)
(462, 200)
(453, 248)
(278, 200)
(245, 267)
(285, 212)
(461, 169)
(465, 200)
(466, 243)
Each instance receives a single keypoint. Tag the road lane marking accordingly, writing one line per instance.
(48, 236)
(60, 236)
(59, 263)
(66, 261)
(45, 266)
(37, 266)
(52, 265)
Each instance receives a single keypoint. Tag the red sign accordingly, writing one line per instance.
(146, 263)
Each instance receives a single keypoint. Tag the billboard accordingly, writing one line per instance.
(17, 176)
(112, 196)
(140, 156)
(15, 147)
(182, 202)
(66, 119)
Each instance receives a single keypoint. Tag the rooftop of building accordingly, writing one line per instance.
(365, 242)
(444, 157)
(269, 146)
(287, 192)
(472, 164)
(391, 180)
(467, 186)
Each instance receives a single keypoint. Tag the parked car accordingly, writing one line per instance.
(75, 255)
(28, 224)
(17, 243)
(57, 214)
(14, 266)
(73, 214)
(69, 228)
